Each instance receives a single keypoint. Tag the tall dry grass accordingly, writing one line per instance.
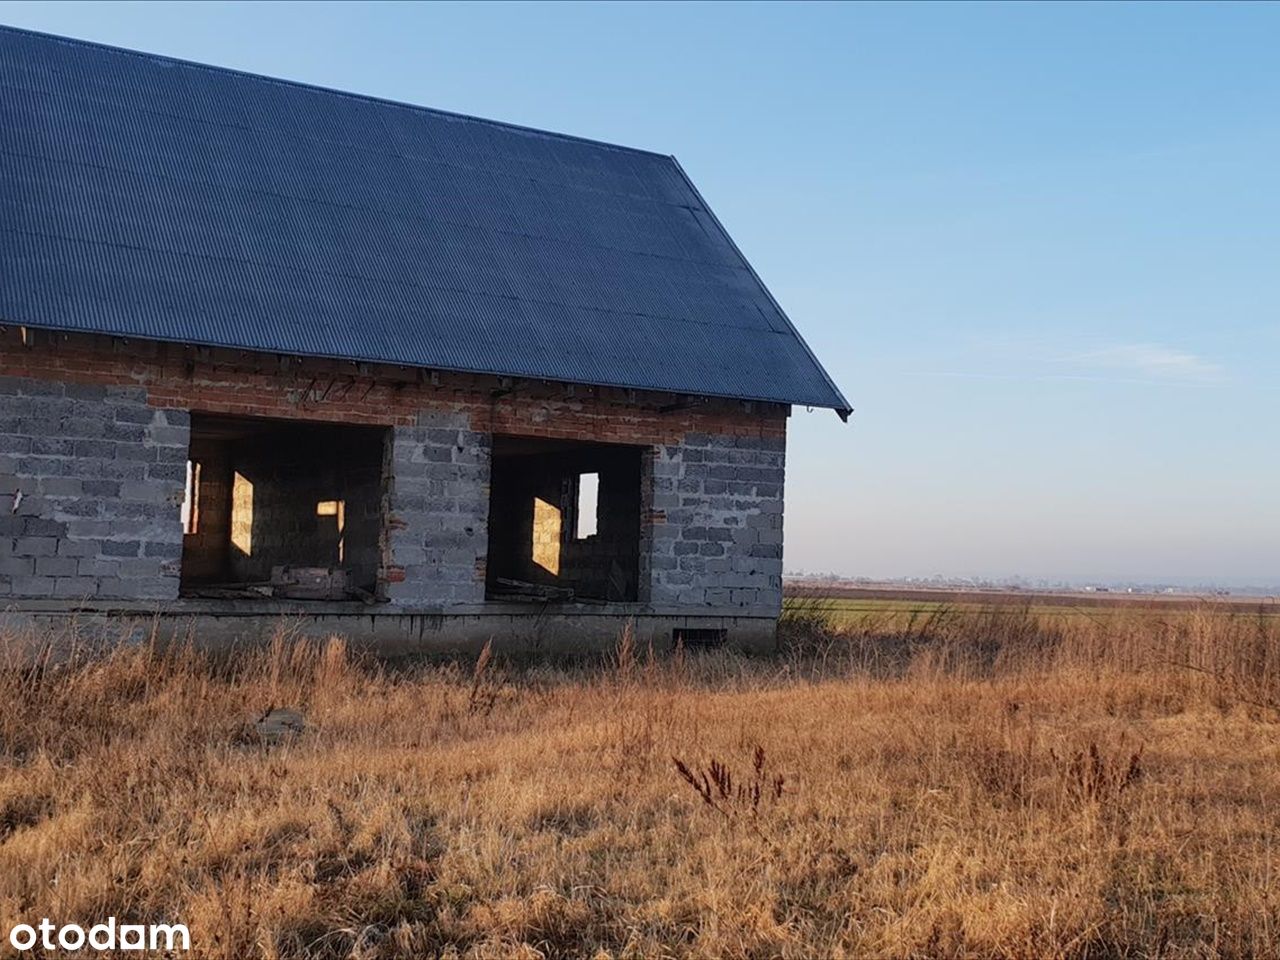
(962, 784)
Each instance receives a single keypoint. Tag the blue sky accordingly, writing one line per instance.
(1036, 245)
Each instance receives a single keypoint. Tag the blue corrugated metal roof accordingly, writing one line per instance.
(147, 197)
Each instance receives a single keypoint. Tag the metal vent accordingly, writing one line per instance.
(699, 637)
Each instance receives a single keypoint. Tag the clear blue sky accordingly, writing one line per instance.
(1037, 246)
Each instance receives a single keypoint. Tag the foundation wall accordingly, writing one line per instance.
(513, 629)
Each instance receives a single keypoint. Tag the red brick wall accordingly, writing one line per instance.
(243, 383)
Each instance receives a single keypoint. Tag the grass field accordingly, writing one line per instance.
(973, 783)
(873, 609)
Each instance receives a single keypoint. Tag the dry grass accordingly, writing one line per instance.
(974, 785)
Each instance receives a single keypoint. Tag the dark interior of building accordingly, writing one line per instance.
(564, 520)
(289, 508)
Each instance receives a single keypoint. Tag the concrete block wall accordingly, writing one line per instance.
(719, 540)
(94, 431)
(438, 509)
(91, 482)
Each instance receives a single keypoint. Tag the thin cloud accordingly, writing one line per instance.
(1134, 363)
(1033, 377)
(1150, 361)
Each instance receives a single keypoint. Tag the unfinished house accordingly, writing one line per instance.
(269, 350)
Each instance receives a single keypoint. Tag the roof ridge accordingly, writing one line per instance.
(438, 111)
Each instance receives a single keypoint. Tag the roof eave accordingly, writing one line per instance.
(842, 412)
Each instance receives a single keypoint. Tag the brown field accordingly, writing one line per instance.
(975, 783)
(1106, 602)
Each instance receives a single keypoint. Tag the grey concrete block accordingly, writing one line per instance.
(14, 443)
(121, 548)
(90, 427)
(42, 527)
(132, 414)
(32, 586)
(135, 510)
(138, 567)
(41, 388)
(171, 473)
(170, 436)
(144, 491)
(101, 488)
(94, 567)
(112, 587)
(175, 418)
(56, 566)
(17, 566)
(129, 469)
(35, 547)
(130, 451)
(61, 486)
(694, 565)
(43, 466)
(83, 528)
(162, 549)
(77, 508)
(125, 432)
(76, 548)
(84, 391)
(88, 449)
(24, 496)
(53, 446)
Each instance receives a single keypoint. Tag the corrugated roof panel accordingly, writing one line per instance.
(143, 196)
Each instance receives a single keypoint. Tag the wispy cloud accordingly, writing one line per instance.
(1150, 361)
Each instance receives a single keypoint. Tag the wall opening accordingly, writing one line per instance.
(279, 508)
(699, 637)
(191, 499)
(587, 503)
(564, 520)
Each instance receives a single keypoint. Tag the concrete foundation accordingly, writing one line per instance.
(514, 629)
